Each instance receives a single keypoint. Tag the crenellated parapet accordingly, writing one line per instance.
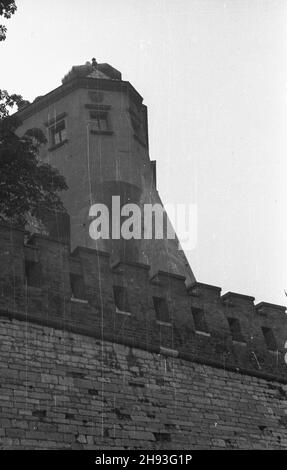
(83, 291)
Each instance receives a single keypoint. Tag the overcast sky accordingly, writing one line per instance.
(213, 74)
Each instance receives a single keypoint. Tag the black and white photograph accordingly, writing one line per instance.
(143, 254)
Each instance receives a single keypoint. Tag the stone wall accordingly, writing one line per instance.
(63, 390)
(77, 371)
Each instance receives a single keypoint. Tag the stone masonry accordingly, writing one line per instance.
(77, 372)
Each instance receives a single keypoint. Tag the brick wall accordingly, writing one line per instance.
(63, 390)
(80, 372)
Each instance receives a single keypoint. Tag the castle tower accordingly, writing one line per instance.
(97, 132)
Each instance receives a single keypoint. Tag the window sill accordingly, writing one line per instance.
(163, 323)
(202, 333)
(274, 351)
(101, 132)
(123, 312)
(54, 147)
(79, 301)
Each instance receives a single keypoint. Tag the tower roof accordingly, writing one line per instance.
(90, 75)
(92, 70)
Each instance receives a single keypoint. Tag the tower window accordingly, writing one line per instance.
(161, 309)
(199, 320)
(99, 121)
(33, 273)
(77, 286)
(235, 329)
(269, 338)
(58, 133)
(121, 298)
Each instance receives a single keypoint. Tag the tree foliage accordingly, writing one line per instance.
(28, 188)
(7, 9)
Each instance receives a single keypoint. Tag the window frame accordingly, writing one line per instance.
(269, 338)
(200, 324)
(58, 128)
(122, 304)
(74, 278)
(33, 273)
(162, 310)
(99, 117)
(235, 330)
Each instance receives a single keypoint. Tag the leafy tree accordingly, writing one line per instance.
(29, 189)
(7, 9)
